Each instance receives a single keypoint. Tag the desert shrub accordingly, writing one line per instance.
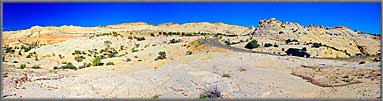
(242, 69)
(9, 50)
(29, 55)
(211, 94)
(267, 45)
(65, 62)
(115, 34)
(81, 67)
(226, 75)
(130, 37)
(203, 96)
(87, 64)
(37, 59)
(69, 66)
(316, 45)
(110, 63)
(362, 62)
(290, 40)
(162, 55)
(175, 41)
(281, 32)
(156, 96)
(139, 38)
(134, 50)
(77, 52)
(152, 34)
(26, 48)
(22, 66)
(15, 62)
(252, 44)
(96, 61)
(275, 45)
(79, 58)
(189, 52)
(128, 59)
(137, 45)
(36, 67)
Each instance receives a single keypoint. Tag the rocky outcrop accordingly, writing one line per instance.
(335, 42)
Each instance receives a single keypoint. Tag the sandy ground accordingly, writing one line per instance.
(250, 76)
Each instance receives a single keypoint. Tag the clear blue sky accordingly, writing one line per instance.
(360, 16)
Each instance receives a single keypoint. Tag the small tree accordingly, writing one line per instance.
(252, 44)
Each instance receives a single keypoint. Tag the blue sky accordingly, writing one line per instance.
(358, 16)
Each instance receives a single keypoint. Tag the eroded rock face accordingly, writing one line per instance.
(335, 42)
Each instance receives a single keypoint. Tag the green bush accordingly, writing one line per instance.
(22, 66)
(252, 44)
(203, 96)
(96, 61)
